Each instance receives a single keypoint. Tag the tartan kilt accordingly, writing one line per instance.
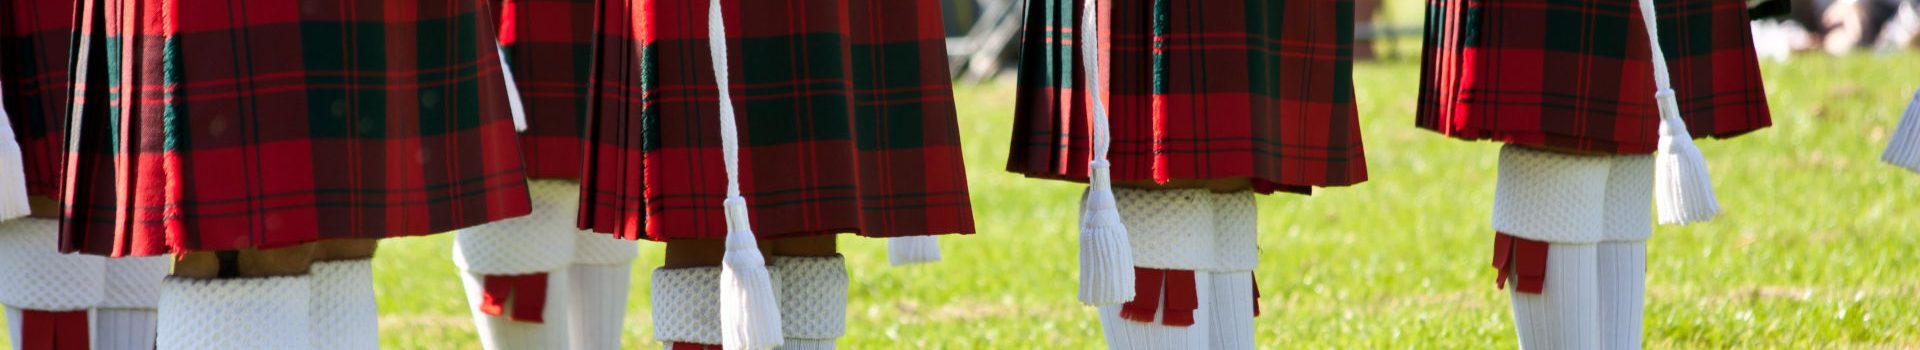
(203, 125)
(1577, 75)
(33, 72)
(845, 109)
(1197, 90)
(549, 47)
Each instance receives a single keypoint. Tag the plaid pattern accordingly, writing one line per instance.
(204, 125)
(550, 50)
(1576, 75)
(33, 69)
(1199, 89)
(846, 121)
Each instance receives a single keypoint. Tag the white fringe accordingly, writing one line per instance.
(1681, 185)
(1904, 149)
(910, 250)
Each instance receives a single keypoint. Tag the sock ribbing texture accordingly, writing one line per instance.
(1565, 315)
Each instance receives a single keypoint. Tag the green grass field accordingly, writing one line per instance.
(1819, 245)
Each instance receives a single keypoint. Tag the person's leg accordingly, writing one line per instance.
(128, 314)
(1236, 238)
(47, 294)
(1549, 210)
(345, 311)
(247, 299)
(1171, 233)
(600, 275)
(811, 285)
(1622, 258)
(515, 272)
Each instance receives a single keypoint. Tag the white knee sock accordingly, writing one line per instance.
(1622, 288)
(1236, 252)
(503, 332)
(516, 252)
(598, 307)
(35, 277)
(125, 329)
(345, 314)
(237, 314)
(813, 300)
(1232, 310)
(1125, 334)
(128, 314)
(601, 274)
(1565, 315)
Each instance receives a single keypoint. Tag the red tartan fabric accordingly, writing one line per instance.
(54, 330)
(846, 121)
(203, 125)
(1577, 75)
(33, 70)
(696, 346)
(549, 46)
(1199, 89)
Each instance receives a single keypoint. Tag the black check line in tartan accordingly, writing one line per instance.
(549, 46)
(1576, 74)
(206, 125)
(846, 121)
(1198, 89)
(33, 70)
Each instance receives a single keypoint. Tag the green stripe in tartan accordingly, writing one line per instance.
(442, 43)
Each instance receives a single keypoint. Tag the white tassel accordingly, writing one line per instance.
(1106, 258)
(749, 314)
(13, 172)
(513, 91)
(1681, 185)
(1904, 150)
(909, 250)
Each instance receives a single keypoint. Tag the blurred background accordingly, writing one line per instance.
(1818, 247)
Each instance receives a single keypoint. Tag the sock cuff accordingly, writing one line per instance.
(1236, 224)
(1169, 229)
(1629, 198)
(812, 294)
(238, 313)
(36, 276)
(134, 282)
(686, 305)
(1550, 196)
(539, 242)
(601, 249)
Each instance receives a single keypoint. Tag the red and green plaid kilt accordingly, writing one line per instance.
(1197, 89)
(1576, 75)
(549, 48)
(846, 121)
(33, 72)
(204, 125)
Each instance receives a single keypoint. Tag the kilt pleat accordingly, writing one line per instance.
(1199, 90)
(33, 69)
(1577, 75)
(203, 125)
(549, 47)
(845, 109)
